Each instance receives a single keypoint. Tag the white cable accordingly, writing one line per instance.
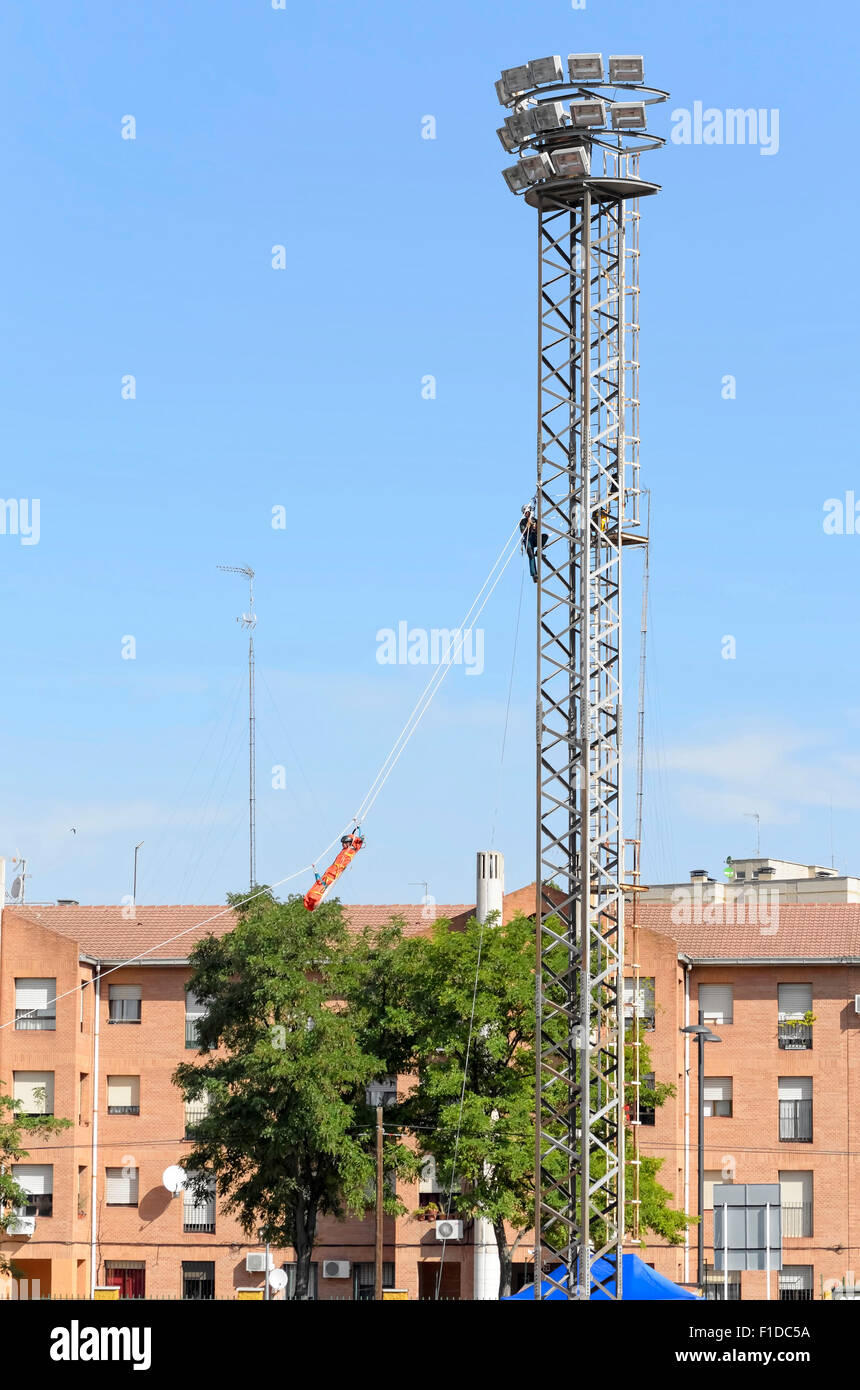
(392, 751)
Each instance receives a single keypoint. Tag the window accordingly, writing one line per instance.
(364, 1278)
(796, 1199)
(290, 1286)
(195, 1111)
(795, 1283)
(35, 1091)
(795, 1109)
(121, 1187)
(84, 1098)
(123, 1095)
(646, 1006)
(646, 1112)
(129, 1276)
(718, 1096)
(716, 1002)
(82, 1190)
(194, 1011)
(794, 1001)
(124, 1003)
(198, 1279)
(713, 1178)
(198, 1213)
(36, 1005)
(37, 1180)
(716, 1284)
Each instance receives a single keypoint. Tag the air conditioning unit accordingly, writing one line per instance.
(255, 1263)
(449, 1230)
(336, 1269)
(857, 1003)
(21, 1225)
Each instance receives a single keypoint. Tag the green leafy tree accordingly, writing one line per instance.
(14, 1126)
(283, 1072)
(655, 1212)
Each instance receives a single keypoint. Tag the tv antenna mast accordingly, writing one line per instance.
(578, 167)
(249, 621)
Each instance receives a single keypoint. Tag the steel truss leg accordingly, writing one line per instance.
(581, 496)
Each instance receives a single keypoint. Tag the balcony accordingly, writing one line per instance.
(123, 1109)
(795, 1121)
(796, 1220)
(191, 1038)
(34, 1021)
(794, 1036)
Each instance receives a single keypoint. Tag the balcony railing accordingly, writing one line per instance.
(123, 1109)
(795, 1121)
(796, 1219)
(32, 1021)
(794, 1036)
(191, 1038)
(194, 1113)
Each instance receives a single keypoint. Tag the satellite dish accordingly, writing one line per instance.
(174, 1179)
(15, 890)
(277, 1279)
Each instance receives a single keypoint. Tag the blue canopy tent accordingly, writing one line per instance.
(638, 1282)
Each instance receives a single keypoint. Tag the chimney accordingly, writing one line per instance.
(67, 902)
(490, 889)
(698, 875)
(766, 871)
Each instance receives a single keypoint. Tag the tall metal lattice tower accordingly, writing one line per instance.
(579, 143)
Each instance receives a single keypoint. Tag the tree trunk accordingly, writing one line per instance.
(306, 1221)
(505, 1259)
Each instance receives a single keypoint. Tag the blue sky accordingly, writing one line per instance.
(301, 387)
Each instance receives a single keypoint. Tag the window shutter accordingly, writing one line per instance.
(121, 1187)
(795, 1088)
(716, 1002)
(193, 1007)
(794, 1000)
(124, 991)
(795, 1186)
(718, 1088)
(24, 1087)
(123, 1090)
(34, 994)
(35, 1178)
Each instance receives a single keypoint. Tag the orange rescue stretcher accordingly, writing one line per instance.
(351, 844)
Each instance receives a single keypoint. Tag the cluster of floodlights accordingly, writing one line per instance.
(587, 114)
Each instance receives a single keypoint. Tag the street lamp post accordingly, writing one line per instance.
(702, 1035)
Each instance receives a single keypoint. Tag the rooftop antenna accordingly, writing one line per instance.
(18, 890)
(134, 880)
(249, 621)
(754, 815)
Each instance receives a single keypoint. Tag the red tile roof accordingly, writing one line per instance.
(789, 931)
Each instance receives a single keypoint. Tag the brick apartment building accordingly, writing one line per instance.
(781, 1099)
(102, 1056)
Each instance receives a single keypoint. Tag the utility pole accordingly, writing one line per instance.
(578, 167)
(377, 1291)
(249, 621)
(134, 880)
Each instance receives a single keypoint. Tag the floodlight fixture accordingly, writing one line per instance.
(546, 70)
(508, 141)
(516, 79)
(628, 115)
(502, 93)
(536, 167)
(588, 113)
(572, 163)
(520, 126)
(547, 115)
(626, 68)
(515, 178)
(585, 67)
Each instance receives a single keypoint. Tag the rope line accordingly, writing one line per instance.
(365, 806)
